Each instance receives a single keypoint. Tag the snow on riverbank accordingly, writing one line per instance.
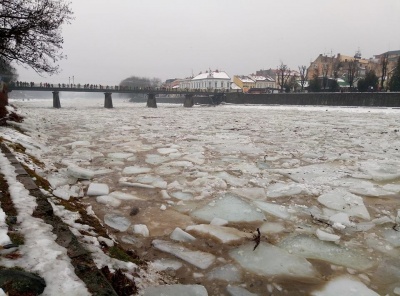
(321, 184)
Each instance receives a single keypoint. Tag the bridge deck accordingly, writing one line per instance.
(117, 90)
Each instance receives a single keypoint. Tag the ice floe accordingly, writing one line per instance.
(221, 233)
(174, 290)
(345, 286)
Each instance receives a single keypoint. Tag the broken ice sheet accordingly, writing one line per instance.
(221, 233)
(345, 286)
(199, 259)
(312, 248)
(341, 200)
(277, 210)
(229, 273)
(229, 207)
(117, 221)
(269, 260)
(175, 290)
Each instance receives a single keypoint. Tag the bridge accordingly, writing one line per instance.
(151, 92)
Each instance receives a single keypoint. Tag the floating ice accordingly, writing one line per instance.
(344, 201)
(268, 260)
(166, 264)
(230, 208)
(223, 234)
(141, 229)
(218, 221)
(76, 144)
(124, 196)
(312, 248)
(117, 221)
(199, 259)
(166, 150)
(238, 291)
(174, 290)
(229, 273)
(345, 286)
(232, 180)
(108, 200)
(98, 189)
(283, 189)
(80, 173)
(119, 155)
(277, 210)
(341, 218)
(326, 236)
(156, 159)
(392, 236)
(392, 188)
(383, 170)
(253, 193)
(62, 192)
(181, 236)
(131, 170)
(182, 195)
(271, 227)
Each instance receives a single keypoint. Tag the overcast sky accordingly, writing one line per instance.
(111, 40)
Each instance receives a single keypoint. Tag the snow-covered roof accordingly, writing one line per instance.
(262, 78)
(234, 86)
(214, 74)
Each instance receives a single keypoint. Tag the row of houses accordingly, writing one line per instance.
(331, 67)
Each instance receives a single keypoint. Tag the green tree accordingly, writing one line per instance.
(30, 32)
(369, 81)
(314, 84)
(394, 84)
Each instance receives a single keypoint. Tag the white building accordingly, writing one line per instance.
(213, 80)
(263, 81)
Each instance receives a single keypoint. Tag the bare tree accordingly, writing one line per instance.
(30, 32)
(325, 70)
(351, 72)
(303, 70)
(283, 74)
(384, 64)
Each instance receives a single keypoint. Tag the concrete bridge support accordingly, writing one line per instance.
(56, 99)
(151, 101)
(108, 100)
(188, 101)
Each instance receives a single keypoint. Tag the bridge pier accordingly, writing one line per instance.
(151, 101)
(56, 100)
(188, 101)
(108, 100)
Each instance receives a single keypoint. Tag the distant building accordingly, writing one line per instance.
(263, 81)
(211, 80)
(244, 82)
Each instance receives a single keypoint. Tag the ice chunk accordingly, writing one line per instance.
(232, 180)
(165, 264)
(229, 273)
(345, 286)
(325, 236)
(117, 221)
(124, 196)
(218, 221)
(284, 189)
(392, 188)
(271, 227)
(312, 248)
(166, 150)
(141, 229)
(80, 173)
(238, 291)
(181, 236)
(383, 170)
(62, 192)
(223, 234)
(253, 193)
(131, 170)
(392, 236)
(341, 218)
(344, 201)
(108, 200)
(76, 144)
(199, 259)
(175, 290)
(269, 260)
(231, 208)
(98, 189)
(120, 155)
(273, 209)
(182, 195)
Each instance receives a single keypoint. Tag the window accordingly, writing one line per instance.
(216, 84)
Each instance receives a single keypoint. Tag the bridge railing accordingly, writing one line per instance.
(20, 84)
